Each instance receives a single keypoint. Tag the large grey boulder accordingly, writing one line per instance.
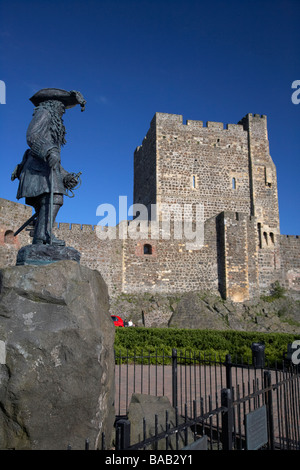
(56, 357)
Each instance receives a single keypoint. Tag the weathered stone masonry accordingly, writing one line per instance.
(229, 170)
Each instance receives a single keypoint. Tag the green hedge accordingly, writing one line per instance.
(205, 342)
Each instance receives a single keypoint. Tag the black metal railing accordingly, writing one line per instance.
(182, 376)
(216, 404)
(215, 397)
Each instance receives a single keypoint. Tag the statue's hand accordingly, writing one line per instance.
(53, 158)
(15, 173)
(70, 181)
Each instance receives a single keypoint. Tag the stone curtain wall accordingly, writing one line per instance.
(290, 261)
(104, 256)
(171, 267)
(12, 216)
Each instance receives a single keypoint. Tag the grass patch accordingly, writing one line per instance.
(277, 292)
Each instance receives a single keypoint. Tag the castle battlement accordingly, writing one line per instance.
(239, 216)
(261, 116)
(167, 120)
(75, 228)
(292, 237)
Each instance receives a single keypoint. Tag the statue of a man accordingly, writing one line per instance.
(43, 181)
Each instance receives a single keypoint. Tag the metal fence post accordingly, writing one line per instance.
(228, 365)
(174, 378)
(122, 434)
(227, 418)
(269, 403)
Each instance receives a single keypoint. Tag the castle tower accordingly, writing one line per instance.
(263, 179)
(229, 171)
(225, 169)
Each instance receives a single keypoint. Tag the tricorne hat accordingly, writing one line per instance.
(68, 98)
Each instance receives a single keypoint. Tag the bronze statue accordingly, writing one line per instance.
(43, 180)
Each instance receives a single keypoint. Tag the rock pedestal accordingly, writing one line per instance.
(56, 357)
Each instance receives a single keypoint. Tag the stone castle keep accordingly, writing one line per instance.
(230, 172)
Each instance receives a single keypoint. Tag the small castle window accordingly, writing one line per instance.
(233, 183)
(272, 237)
(194, 181)
(268, 177)
(266, 237)
(259, 235)
(147, 249)
(9, 237)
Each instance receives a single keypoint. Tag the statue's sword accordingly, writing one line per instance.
(32, 218)
(51, 205)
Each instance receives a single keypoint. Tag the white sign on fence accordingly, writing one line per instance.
(256, 428)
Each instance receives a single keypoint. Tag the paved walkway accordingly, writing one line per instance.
(193, 382)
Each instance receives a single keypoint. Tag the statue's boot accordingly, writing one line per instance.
(54, 240)
(40, 235)
(42, 226)
(57, 241)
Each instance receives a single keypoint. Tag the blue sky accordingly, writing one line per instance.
(206, 60)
